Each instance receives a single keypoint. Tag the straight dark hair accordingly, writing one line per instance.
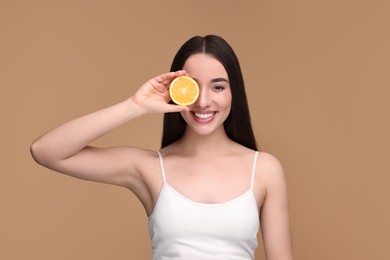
(237, 125)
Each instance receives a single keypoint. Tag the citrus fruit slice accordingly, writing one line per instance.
(184, 90)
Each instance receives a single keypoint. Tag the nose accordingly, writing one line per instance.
(203, 100)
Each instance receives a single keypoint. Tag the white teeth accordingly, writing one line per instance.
(204, 116)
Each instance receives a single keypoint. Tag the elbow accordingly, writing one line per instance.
(38, 153)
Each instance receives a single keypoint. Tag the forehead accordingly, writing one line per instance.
(204, 66)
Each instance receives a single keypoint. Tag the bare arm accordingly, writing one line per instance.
(275, 223)
(66, 148)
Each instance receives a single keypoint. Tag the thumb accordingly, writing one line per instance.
(175, 108)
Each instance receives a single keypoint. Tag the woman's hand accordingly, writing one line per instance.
(153, 96)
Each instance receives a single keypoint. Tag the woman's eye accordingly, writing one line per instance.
(218, 87)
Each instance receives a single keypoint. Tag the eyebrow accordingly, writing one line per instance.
(216, 80)
(219, 80)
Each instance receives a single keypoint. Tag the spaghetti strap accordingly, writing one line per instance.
(162, 167)
(254, 169)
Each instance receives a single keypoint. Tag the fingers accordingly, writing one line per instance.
(161, 82)
(180, 73)
(175, 108)
(154, 94)
(166, 78)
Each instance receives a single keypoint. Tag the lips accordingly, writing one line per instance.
(203, 117)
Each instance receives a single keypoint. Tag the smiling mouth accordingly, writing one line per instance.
(203, 116)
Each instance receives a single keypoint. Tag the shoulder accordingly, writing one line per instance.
(269, 162)
(140, 154)
(132, 156)
(133, 162)
(139, 157)
(143, 166)
(270, 171)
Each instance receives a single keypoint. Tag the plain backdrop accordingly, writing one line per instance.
(317, 79)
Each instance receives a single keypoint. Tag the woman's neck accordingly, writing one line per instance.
(195, 144)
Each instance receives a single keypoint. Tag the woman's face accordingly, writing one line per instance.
(209, 112)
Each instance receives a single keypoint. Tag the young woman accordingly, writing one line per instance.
(207, 190)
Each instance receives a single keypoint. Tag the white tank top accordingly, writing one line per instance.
(181, 228)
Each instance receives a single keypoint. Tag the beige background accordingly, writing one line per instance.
(317, 76)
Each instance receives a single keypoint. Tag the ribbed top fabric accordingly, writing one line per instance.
(181, 228)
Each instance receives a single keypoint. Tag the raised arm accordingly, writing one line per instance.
(66, 148)
(275, 225)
